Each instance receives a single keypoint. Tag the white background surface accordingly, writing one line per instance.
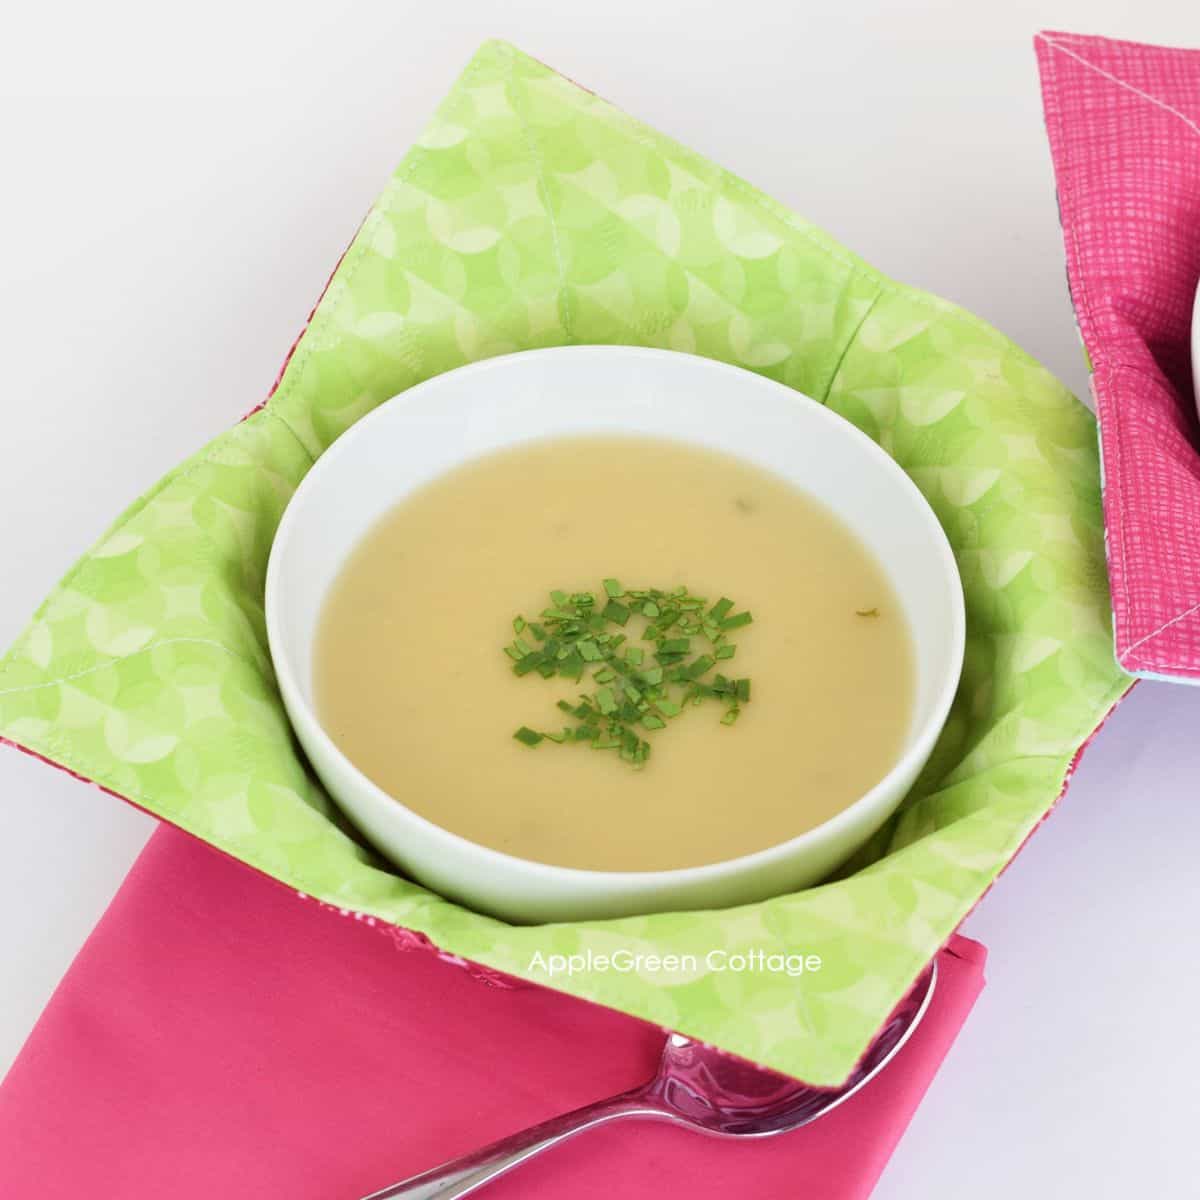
(177, 184)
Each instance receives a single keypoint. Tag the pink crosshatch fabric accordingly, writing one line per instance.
(1124, 127)
(219, 1038)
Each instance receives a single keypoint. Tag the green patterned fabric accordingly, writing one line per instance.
(532, 213)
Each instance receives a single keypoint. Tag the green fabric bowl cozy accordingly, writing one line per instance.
(532, 213)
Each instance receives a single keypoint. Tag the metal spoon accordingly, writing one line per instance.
(696, 1086)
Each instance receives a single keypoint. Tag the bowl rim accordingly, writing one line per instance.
(571, 879)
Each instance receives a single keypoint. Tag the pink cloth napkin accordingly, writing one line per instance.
(1124, 127)
(220, 1036)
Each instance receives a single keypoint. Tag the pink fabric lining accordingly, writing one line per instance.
(215, 1037)
(1124, 127)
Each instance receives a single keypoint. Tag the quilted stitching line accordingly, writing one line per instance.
(112, 662)
(1187, 612)
(837, 366)
(1129, 87)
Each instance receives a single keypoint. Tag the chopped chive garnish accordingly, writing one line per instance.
(616, 612)
(571, 667)
(718, 610)
(574, 638)
(867, 612)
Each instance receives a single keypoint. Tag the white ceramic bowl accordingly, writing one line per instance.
(573, 390)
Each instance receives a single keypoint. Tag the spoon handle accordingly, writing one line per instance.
(463, 1175)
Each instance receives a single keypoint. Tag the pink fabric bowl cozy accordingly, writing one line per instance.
(1124, 126)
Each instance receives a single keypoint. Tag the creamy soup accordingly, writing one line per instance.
(413, 683)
